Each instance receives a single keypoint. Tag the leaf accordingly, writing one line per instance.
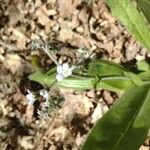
(41, 77)
(83, 83)
(145, 75)
(111, 76)
(104, 68)
(114, 83)
(101, 74)
(48, 78)
(125, 125)
(134, 78)
(144, 6)
(143, 65)
(129, 15)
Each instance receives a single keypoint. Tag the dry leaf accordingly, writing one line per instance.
(14, 14)
(26, 142)
(43, 17)
(77, 104)
(20, 37)
(66, 8)
(65, 33)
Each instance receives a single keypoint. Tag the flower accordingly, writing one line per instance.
(45, 94)
(64, 71)
(30, 97)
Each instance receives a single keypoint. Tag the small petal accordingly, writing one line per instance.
(68, 72)
(30, 100)
(44, 93)
(59, 69)
(64, 71)
(65, 66)
(59, 77)
(29, 92)
(30, 97)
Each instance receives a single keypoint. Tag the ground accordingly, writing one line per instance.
(70, 25)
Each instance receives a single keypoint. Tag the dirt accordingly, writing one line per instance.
(70, 25)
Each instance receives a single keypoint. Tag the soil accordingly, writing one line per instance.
(69, 25)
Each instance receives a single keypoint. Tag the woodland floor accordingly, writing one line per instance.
(70, 24)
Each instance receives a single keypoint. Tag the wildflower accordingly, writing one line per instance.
(64, 71)
(30, 97)
(45, 94)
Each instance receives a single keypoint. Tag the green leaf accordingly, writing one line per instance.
(114, 83)
(48, 78)
(102, 68)
(134, 78)
(129, 15)
(101, 74)
(144, 6)
(83, 83)
(143, 65)
(125, 125)
(145, 75)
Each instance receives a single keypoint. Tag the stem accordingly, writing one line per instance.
(46, 50)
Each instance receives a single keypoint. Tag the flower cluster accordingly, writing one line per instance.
(44, 94)
(64, 71)
(51, 102)
(30, 97)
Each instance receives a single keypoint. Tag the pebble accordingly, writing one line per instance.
(80, 30)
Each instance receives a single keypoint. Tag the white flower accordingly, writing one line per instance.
(64, 71)
(45, 94)
(30, 97)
